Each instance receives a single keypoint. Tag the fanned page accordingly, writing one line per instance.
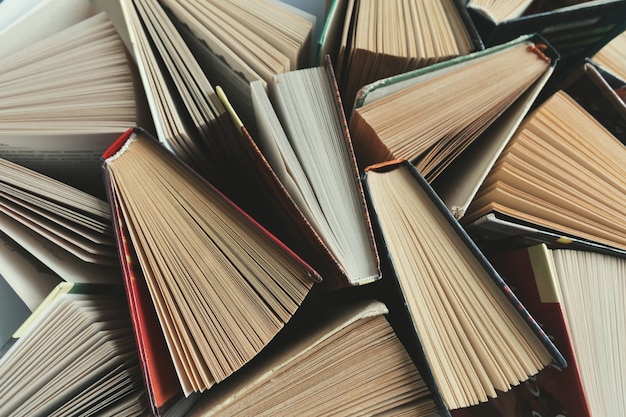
(498, 11)
(241, 41)
(562, 171)
(372, 50)
(450, 117)
(73, 219)
(475, 339)
(318, 167)
(591, 287)
(612, 57)
(189, 118)
(65, 99)
(78, 356)
(339, 346)
(25, 22)
(222, 286)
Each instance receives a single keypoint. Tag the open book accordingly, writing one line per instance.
(612, 56)
(222, 285)
(63, 229)
(77, 355)
(240, 41)
(302, 133)
(459, 113)
(349, 362)
(65, 99)
(370, 48)
(577, 296)
(476, 336)
(562, 178)
(24, 22)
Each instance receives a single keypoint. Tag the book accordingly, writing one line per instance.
(612, 57)
(303, 134)
(187, 116)
(576, 29)
(65, 98)
(239, 41)
(234, 164)
(222, 286)
(381, 39)
(597, 91)
(23, 23)
(560, 179)
(476, 336)
(465, 131)
(77, 355)
(575, 295)
(64, 230)
(348, 362)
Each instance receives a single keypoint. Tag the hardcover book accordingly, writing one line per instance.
(477, 338)
(569, 292)
(222, 286)
(560, 179)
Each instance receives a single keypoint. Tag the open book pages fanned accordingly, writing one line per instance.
(240, 41)
(370, 48)
(222, 285)
(577, 296)
(562, 172)
(77, 356)
(304, 136)
(353, 350)
(188, 117)
(64, 99)
(476, 336)
(430, 116)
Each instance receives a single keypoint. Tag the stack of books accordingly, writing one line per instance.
(273, 207)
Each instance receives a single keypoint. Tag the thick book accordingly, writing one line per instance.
(476, 336)
(347, 360)
(576, 29)
(457, 136)
(304, 138)
(66, 98)
(222, 286)
(560, 179)
(576, 297)
(76, 356)
(370, 48)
